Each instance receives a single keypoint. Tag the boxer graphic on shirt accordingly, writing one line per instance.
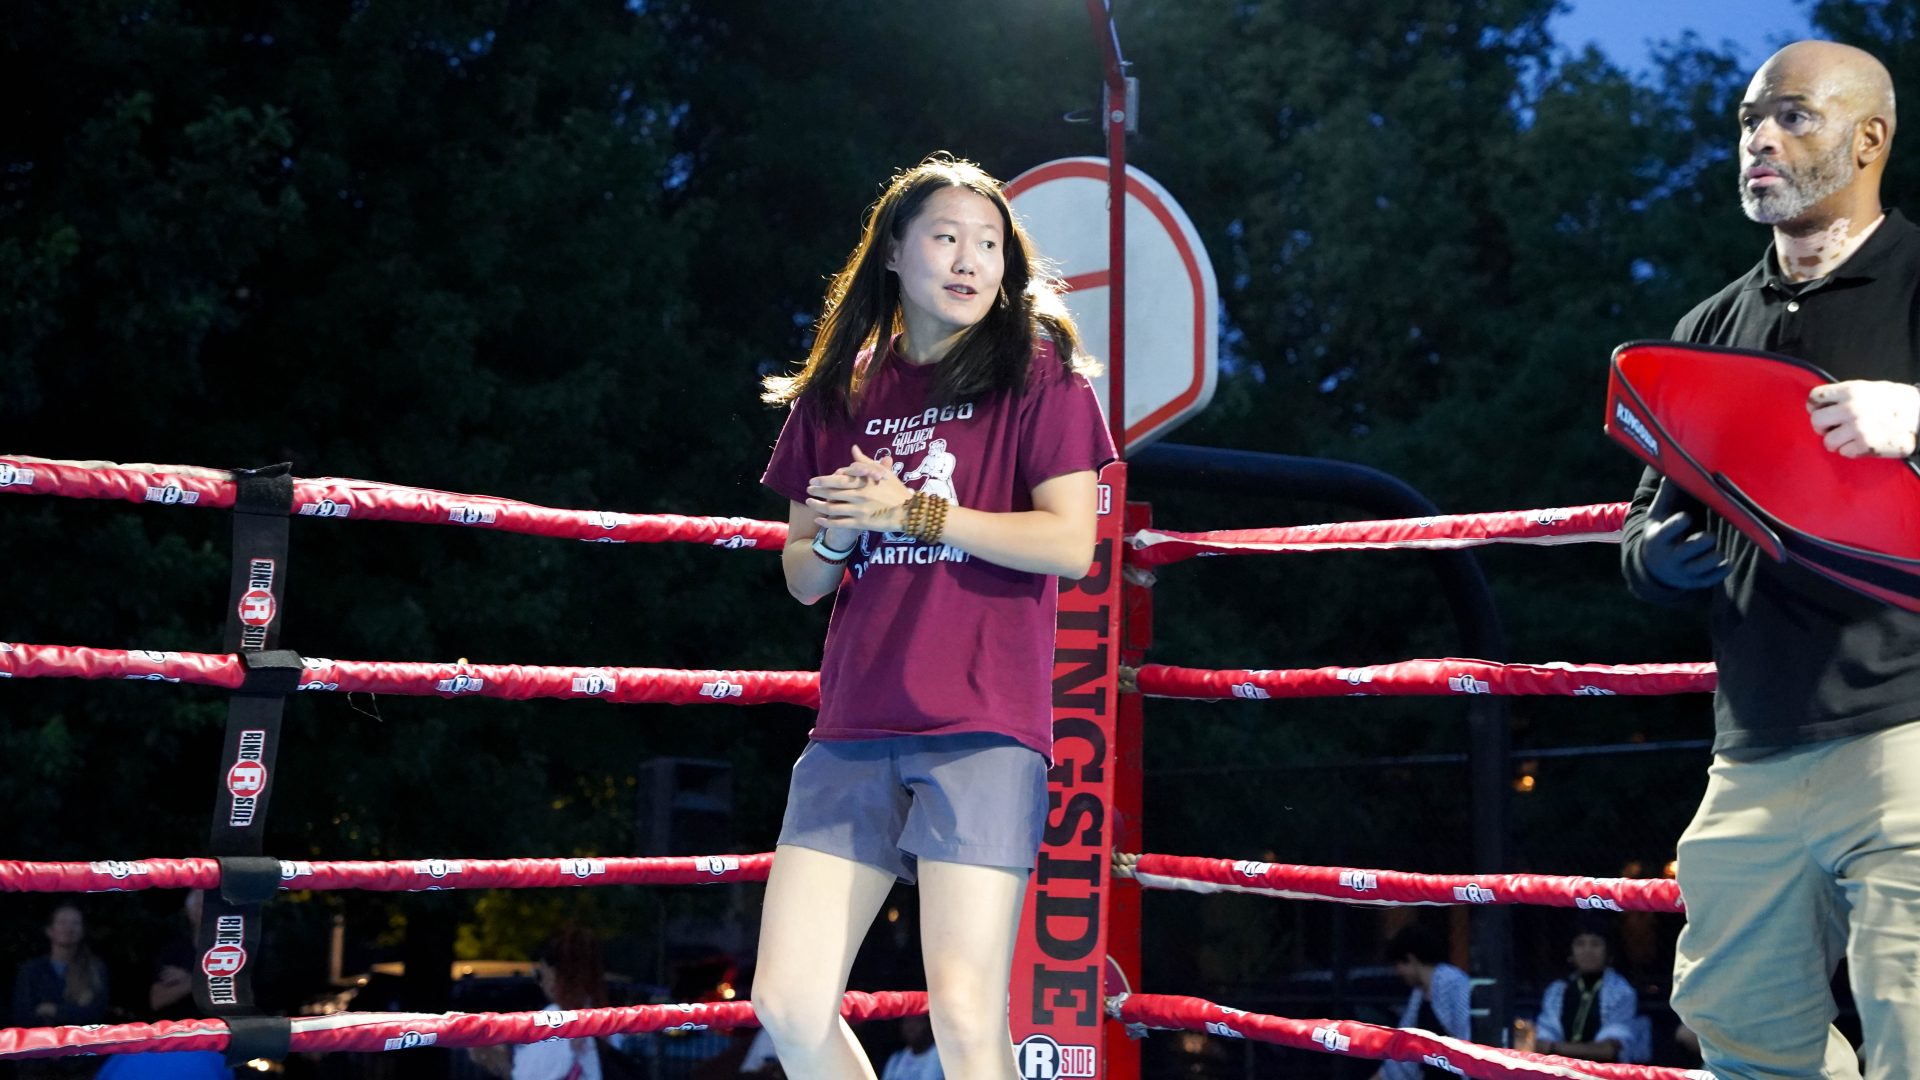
(936, 472)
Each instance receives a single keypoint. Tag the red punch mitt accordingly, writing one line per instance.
(1730, 427)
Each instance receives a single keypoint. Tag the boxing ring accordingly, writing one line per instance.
(259, 674)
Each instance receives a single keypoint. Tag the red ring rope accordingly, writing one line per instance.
(1359, 1040)
(1412, 678)
(1562, 525)
(406, 875)
(1393, 888)
(1384, 887)
(680, 687)
(369, 500)
(366, 500)
(510, 681)
(376, 1032)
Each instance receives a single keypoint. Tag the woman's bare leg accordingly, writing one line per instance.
(818, 909)
(969, 922)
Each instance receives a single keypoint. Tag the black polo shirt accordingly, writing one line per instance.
(1802, 659)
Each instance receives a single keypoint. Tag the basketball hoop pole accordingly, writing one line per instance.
(1134, 619)
(1117, 120)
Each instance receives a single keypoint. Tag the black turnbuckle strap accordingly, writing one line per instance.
(230, 924)
(229, 951)
(250, 1037)
(229, 941)
(262, 507)
(249, 879)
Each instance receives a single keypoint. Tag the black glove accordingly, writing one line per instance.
(1673, 556)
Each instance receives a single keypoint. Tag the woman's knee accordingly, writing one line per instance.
(793, 1011)
(967, 1018)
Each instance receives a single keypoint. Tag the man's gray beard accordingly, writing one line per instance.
(1799, 193)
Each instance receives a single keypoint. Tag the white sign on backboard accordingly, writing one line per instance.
(1173, 310)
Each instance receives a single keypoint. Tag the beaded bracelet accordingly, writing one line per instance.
(926, 517)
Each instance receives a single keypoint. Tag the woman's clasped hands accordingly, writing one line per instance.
(865, 494)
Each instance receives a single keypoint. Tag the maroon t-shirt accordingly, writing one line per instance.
(926, 639)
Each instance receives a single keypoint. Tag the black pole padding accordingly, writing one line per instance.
(274, 671)
(246, 880)
(266, 490)
(250, 1037)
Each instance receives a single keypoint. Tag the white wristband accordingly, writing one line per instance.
(831, 554)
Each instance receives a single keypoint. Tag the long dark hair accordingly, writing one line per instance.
(862, 309)
(573, 955)
(86, 975)
(1418, 942)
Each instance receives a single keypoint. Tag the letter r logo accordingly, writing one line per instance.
(1038, 1058)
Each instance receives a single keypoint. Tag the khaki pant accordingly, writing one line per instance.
(1793, 861)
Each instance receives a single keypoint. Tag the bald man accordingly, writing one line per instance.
(1806, 846)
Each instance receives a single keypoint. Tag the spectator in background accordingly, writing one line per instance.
(1440, 1001)
(570, 974)
(1592, 1014)
(67, 986)
(170, 997)
(917, 1060)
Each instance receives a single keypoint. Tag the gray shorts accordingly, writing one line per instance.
(979, 799)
